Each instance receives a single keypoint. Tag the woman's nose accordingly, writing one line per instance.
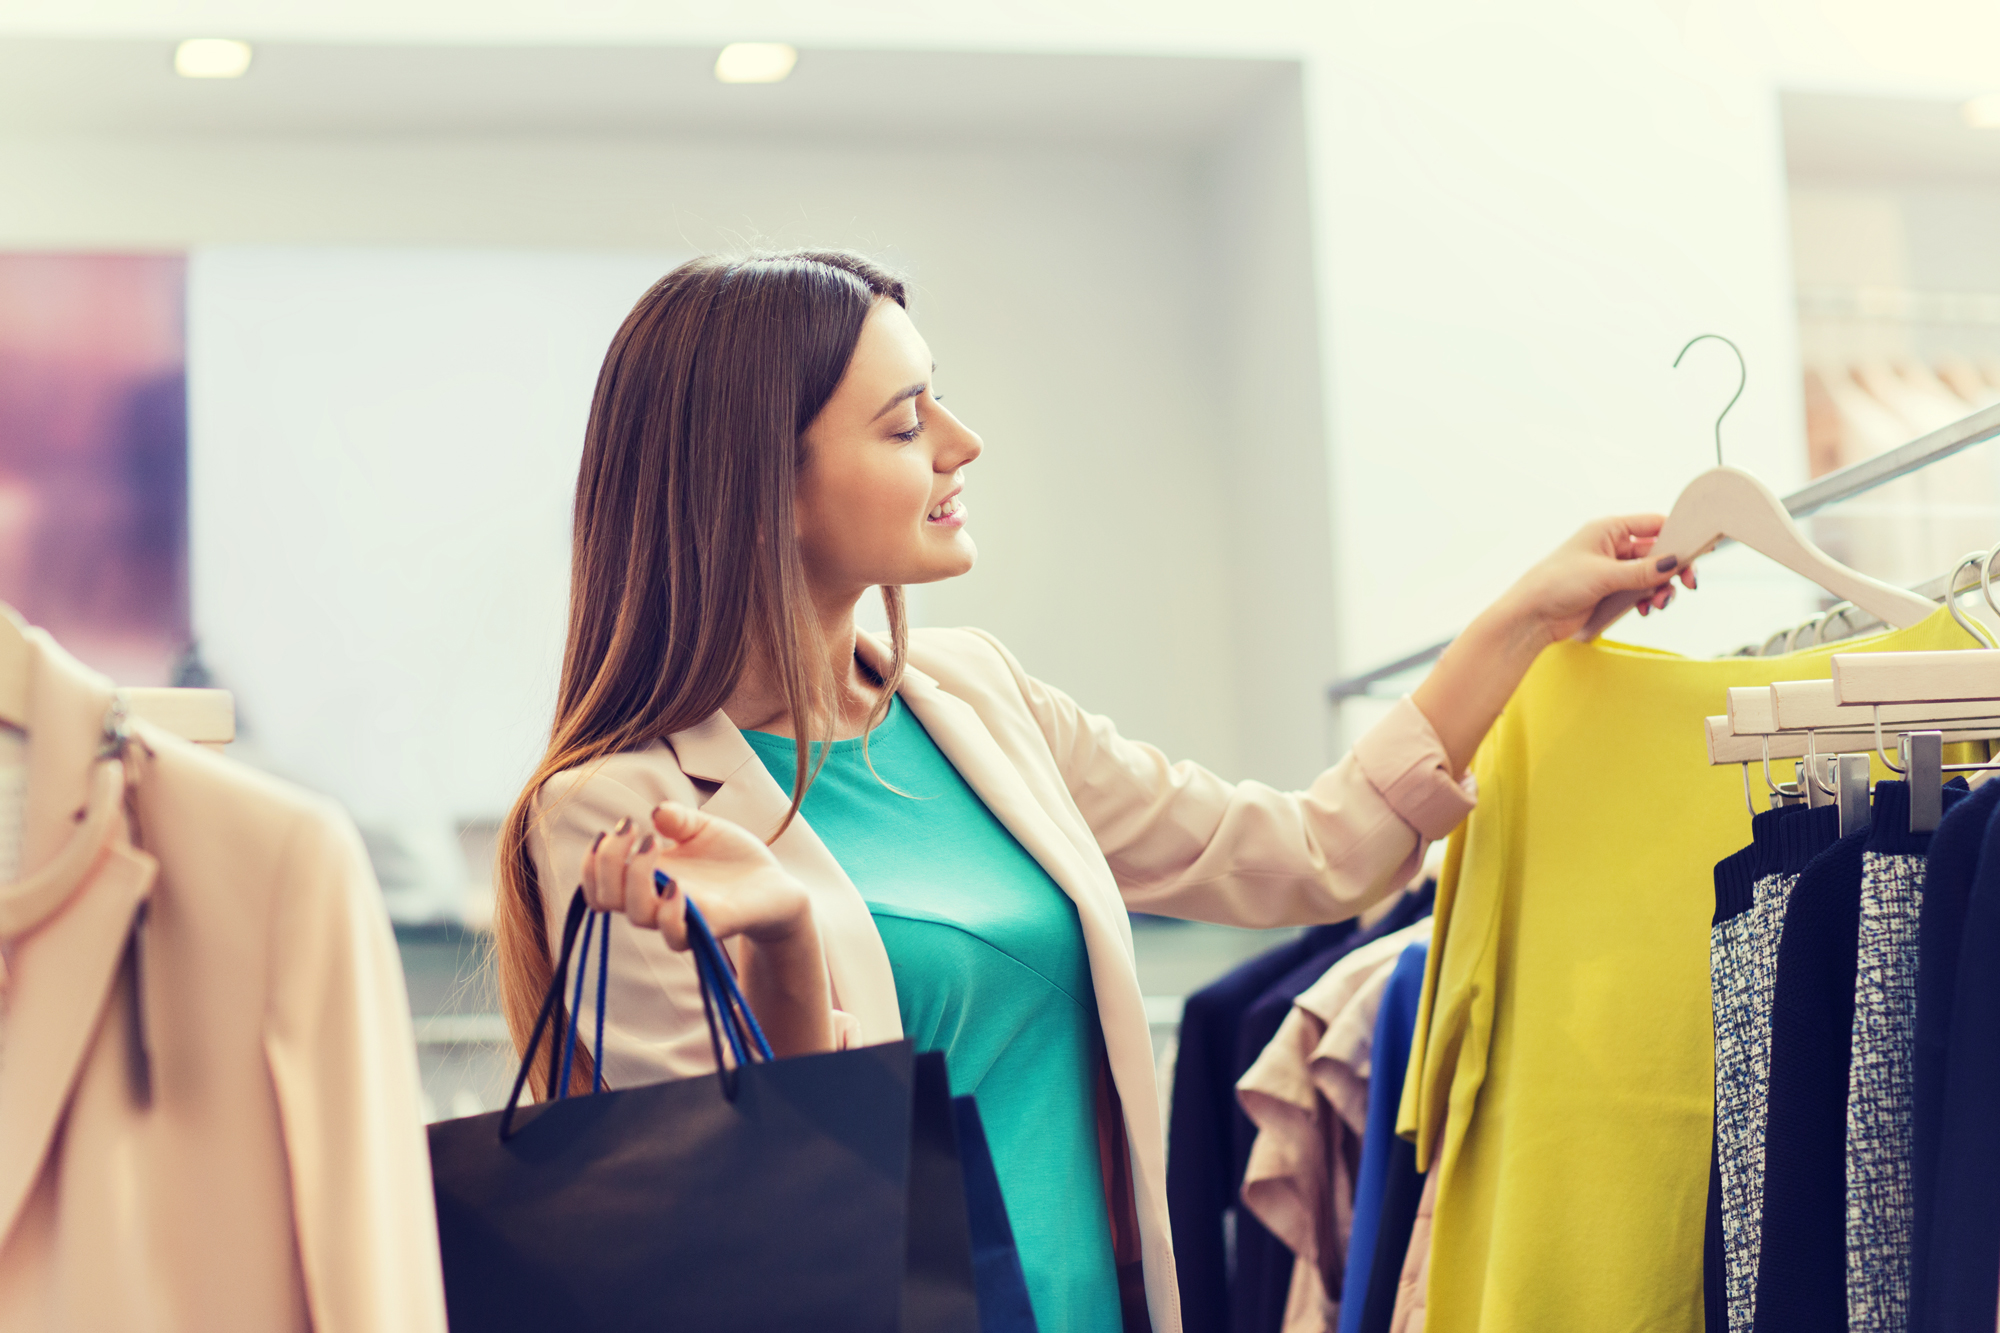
(964, 446)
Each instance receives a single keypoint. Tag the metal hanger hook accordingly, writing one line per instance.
(1743, 378)
(1986, 577)
(1978, 561)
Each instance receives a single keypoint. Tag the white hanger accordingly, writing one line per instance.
(1913, 678)
(206, 717)
(1727, 502)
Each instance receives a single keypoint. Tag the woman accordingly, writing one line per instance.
(955, 863)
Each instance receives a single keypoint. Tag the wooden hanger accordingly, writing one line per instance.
(206, 717)
(1967, 675)
(1728, 503)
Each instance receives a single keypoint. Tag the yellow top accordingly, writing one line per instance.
(1564, 1065)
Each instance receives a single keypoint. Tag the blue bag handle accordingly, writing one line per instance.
(735, 1023)
(719, 989)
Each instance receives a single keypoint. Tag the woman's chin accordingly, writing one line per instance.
(942, 566)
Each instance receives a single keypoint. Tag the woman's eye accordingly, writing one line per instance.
(906, 436)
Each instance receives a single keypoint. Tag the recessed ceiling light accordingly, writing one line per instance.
(755, 62)
(211, 58)
(1983, 112)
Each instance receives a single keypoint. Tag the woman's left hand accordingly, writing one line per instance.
(1611, 555)
(1552, 601)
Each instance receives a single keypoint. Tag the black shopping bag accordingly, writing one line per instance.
(818, 1192)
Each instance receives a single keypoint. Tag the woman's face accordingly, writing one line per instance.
(878, 500)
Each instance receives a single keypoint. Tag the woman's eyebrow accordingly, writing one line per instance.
(902, 395)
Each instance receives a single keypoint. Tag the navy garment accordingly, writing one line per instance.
(1802, 1261)
(1388, 1061)
(1955, 857)
(1263, 1274)
(1203, 1172)
(1783, 841)
(1401, 1196)
(1963, 1268)
(1802, 1258)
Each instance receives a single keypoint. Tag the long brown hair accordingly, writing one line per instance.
(684, 562)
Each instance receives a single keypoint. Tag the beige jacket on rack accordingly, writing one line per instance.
(209, 1109)
(1114, 823)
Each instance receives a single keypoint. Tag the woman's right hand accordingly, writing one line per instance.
(727, 870)
(741, 890)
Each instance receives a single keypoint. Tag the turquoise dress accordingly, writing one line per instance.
(990, 969)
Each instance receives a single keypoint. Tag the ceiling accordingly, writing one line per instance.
(1840, 139)
(51, 86)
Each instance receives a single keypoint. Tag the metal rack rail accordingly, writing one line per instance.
(1831, 489)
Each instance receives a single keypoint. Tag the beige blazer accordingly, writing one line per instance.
(1114, 823)
(209, 1109)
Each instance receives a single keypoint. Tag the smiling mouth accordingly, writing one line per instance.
(952, 508)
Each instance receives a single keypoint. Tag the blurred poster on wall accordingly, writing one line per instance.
(93, 456)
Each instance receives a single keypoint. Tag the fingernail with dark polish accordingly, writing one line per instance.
(596, 841)
(645, 845)
(1666, 562)
(622, 827)
(662, 881)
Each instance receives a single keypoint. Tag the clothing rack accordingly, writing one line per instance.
(1828, 490)
(1900, 305)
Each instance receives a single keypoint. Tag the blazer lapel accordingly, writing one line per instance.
(963, 736)
(62, 970)
(863, 985)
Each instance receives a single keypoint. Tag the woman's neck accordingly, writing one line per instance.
(757, 704)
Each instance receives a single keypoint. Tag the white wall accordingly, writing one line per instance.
(1264, 340)
(383, 446)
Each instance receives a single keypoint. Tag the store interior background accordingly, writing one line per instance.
(1294, 332)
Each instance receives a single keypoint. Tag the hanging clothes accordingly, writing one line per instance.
(1307, 1093)
(1955, 857)
(1956, 851)
(1752, 889)
(1389, 1185)
(1834, 1250)
(1204, 1168)
(1564, 1084)
(1414, 1284)
(1961, 1271)
(209, 1110)
(1260, 1289)
(1882, 1073)
(1802, 1265)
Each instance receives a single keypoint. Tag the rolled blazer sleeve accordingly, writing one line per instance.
(1182, 841)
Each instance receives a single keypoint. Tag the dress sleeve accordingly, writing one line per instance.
(1184, 842)
(342, 1055)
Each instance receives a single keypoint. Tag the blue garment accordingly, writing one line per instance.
(1956, 857)
(1388, 1059)
(1961, 1274)
(991, 969)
